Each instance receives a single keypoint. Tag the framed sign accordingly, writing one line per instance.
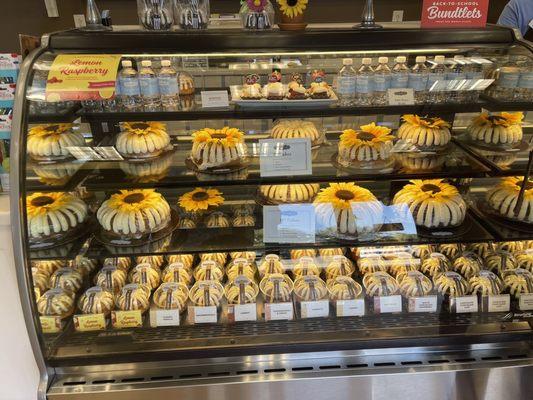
(454, 13)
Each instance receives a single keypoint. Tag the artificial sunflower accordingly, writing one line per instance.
(43, 203)
(200, 199)
(256, 5)
(369, 135)
(49, 130)
(145, 128)
(292, 8)
(424, 131)
(134, 200)
(504, 119)
(228, 137)
(433, 122)
(427, 189)
(342, 195)
(512, 184)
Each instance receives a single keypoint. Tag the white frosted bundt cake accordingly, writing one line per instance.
(50, 142)
(297, 129)
(218, 148)
(282, 194)
(134, 213)
(503, 197)
(424, 131)
(142, 139)
(53, 213)
(433, 203)
(498, 129)
(370, 143)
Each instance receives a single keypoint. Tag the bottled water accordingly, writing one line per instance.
(382, 82)
(149, 86)
(400, 74)
(456, 79)
(437, 81)
(474, 73)
(418, 80)
(524, 90)
(363, 84)
(346, 83)
(507, 82)
(168, 85)
(130, 93)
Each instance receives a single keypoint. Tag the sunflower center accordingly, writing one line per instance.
(365, 136)
(529, 184)
(495, 118)
(134, 198)
(51, 128)
(344, 195)
(140, 125)
(292, 3)
(218, 136)
(42, 201)
(428, 187)
(200, 196)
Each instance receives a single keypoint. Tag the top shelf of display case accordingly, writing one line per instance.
(393, 36)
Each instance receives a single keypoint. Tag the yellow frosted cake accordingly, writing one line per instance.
(142, 139)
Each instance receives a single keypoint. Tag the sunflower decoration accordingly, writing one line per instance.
(427, 122)
(371, 143)
(425, 131)
(433, 203)
(292, 8)
(504, 119)
(497, 129)
(348, 209)
(51, 142)
(142, 139)
(218, 148)
(228, 137)
(200, 199)
(49, 130)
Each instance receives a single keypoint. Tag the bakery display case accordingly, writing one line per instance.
(224, 214)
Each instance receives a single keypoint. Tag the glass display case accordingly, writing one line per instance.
(227, 214)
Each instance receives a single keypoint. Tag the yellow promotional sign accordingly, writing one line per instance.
(89, 322)
(82, 77)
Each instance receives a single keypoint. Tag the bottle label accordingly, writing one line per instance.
(399, 81)
(381, 83)
(508, 79)
(346, 85)
(129, 87)
(526, 80)
(456, 76)
(436, 80)
(168, 85)
(363, 84)
(149, 86)
(418, 82)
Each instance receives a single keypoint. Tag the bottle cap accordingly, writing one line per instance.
(126, 63)
(401, 59)
(146, 63)
(165, 63)
(383, 60)
(440, 59)
(367, 61)
(421, 59)
(347, 61)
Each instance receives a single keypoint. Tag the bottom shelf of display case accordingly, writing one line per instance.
(72, 348)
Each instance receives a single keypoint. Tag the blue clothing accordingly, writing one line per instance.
(517, 14)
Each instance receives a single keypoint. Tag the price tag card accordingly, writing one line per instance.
(289, 223)
(101, 153)
(387, 304)
(203, 315)
(50, 324)
(279, 311)
(164, 317)
(126, 319)
(315, 309)
(350, 308)
(497, 303)
(215, 99)
(285, 157)
(525, 302)
(401, 97)
(242, 312)
(464, 304)
(89, 322)
(422, 304)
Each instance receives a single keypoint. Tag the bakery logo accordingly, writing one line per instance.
(454, 13)
(510, 316)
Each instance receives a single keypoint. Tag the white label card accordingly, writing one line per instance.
(499, 303)
(164, 317)
(279, 311)
(289, 223)
(350, 308)
(388, 304)
(204, 315)
(215, 98)
(315, 309)
(525, 302)
(101, 153)
(242, 312)
(423, 304)
(401, 97)
(465, 304)
(285, 157)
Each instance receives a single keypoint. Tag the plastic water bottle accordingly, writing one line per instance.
(168, 85)
(130, 93)
(382, 82)
(437, 81)
(149, 86)
(456, 78)
(418, 80)
(504, 89)
(474, 73)
(400, 74)
(363, 86)
(524, 90)
(346, 83)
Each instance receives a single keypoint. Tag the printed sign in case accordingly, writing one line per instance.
(454, 13)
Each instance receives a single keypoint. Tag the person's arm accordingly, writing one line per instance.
(509, 16)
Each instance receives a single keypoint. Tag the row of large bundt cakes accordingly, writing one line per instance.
(343, 208)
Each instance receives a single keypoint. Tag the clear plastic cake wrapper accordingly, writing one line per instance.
(343, 288)
(241, 290)
(277, 288)
(208, 270)
(96, 300)
(485, 283)
(451, 284)
(414, 284)
(171, 296)
(337, 265)
(241, 266)
(271, 264)
(380, 284)
(111, 278)
(133, 297)
(177, 272)
(145, 275)
(517, 282)
(303, 266)
(207, 293)
(56, 303)
(67, 279)
(310, 288)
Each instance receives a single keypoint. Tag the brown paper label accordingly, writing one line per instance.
(89, 322)
(126, 319)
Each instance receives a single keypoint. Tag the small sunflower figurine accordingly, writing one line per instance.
(292, 14)
(200, 199)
